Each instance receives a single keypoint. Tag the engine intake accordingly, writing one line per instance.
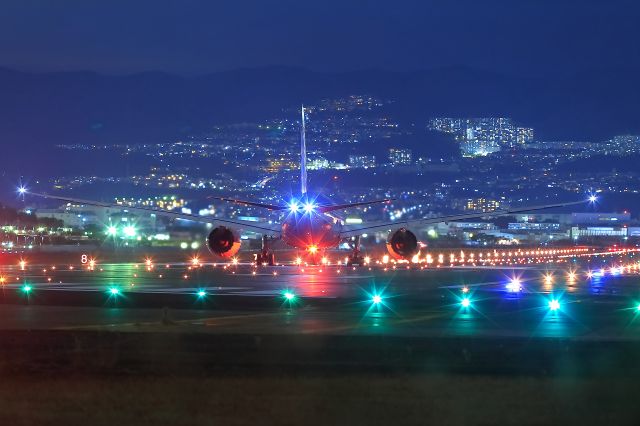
(223, 241)
(402, 244)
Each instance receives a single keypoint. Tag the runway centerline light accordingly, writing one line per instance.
(593, 198)
(22, 190)
(294, 207)
(554, 304)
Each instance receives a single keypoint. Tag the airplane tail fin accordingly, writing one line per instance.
(303, 158)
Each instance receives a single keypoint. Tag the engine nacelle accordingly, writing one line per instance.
(402, 244)
(223, 241)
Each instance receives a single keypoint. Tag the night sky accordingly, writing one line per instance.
(195, 37)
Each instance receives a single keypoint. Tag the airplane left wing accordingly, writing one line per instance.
(355, 230)
(261, 228)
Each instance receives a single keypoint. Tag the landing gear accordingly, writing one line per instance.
(266, 256)
(355, 258)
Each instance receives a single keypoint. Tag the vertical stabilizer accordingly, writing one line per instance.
(303, 158)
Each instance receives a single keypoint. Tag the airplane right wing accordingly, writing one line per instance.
(355, 230)
(260, 228)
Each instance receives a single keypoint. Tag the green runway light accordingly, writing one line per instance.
(130, 231)
(112, 231)
(27, 288)
(554, 305)
(465, 302)
(638, 308)
(376, 299)
(114, 291)
(201, 293)
(289, 296)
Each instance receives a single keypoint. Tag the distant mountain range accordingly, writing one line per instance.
(39, 110)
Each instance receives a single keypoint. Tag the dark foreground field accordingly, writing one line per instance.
(111, 378)
(343, 399)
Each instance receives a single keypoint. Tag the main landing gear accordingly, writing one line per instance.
(356, 257)
(265, 256)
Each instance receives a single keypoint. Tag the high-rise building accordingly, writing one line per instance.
(400, 157)
(483, 136)
(524, 135)
(362, 161)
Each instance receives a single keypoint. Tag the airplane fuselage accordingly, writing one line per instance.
(311, 231)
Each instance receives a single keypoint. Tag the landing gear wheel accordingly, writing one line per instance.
(265, 259)
(355, 260)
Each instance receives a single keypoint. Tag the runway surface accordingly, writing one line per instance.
(524, 302)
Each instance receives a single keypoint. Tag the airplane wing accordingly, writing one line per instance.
(333, 207)
(260, 228)
(250, 203)
(355, 230)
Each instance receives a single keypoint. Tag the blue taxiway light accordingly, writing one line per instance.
(514, 285)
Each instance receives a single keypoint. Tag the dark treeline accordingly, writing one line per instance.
(11, 216)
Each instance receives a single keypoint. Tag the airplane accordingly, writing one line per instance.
(309, 225)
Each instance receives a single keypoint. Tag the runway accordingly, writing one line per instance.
(212, 298)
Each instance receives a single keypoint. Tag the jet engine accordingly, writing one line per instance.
(402, 244)
(223, 241)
